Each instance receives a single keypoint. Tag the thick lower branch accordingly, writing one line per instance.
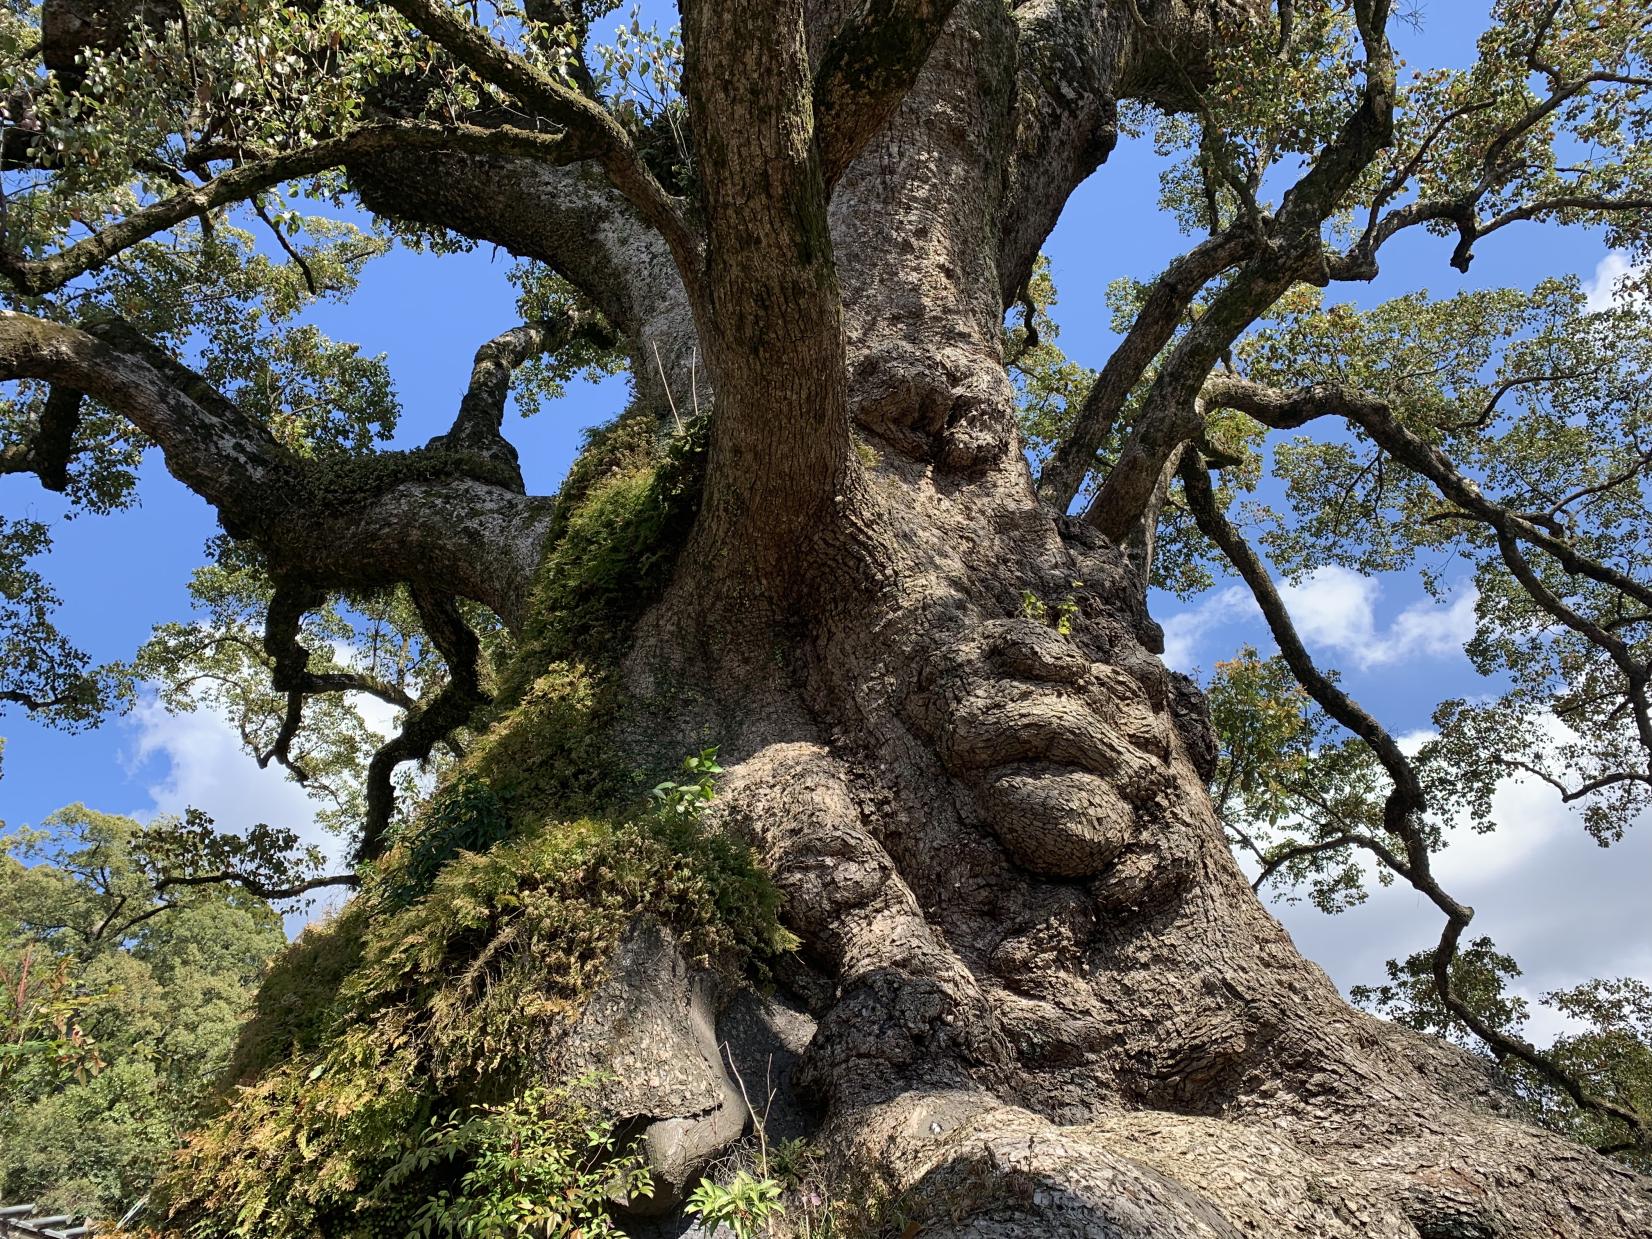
(1404, 805)
(43, 275)
(428, 726)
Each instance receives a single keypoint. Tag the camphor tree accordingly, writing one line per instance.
(1039, 996)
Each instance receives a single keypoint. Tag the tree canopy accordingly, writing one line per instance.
(121, 1007)
(183, 182)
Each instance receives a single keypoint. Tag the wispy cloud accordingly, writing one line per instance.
(1184, 630)
(1605, 288)
(1336, 609)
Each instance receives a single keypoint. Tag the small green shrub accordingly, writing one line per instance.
(678, 798)
(743, 1204)
(1066, 611)
(465, 816)
(543, 1164)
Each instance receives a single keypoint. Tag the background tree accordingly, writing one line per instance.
(121, 1007)
(1039, 994)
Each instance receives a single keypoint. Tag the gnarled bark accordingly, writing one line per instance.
(1044, 999)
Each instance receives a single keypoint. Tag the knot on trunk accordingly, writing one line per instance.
(1068, 757)
(951, 407)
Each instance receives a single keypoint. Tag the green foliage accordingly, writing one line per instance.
(507, 940)
(93, 1145)
(1544, 405)
(744, 1204)
(680, 798)
(297, 1003)
(1479, 977)
(41, 1005)
(550, 753)
(171, 850)
(799, 1189)
(542, 1164)
(118, 1005)
(423, 997)
(37, 662)
(1301, 801)
(623, 515)
(1611, 1053)
(465, 816)
(1060, 618)
(543, 294)
(1049, 387)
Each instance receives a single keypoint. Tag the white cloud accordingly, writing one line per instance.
(1603, 288)
(1336, 608)
(1565, 908)
(1183, 630)
(207, 769)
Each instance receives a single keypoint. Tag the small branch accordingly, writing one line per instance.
(451, 709)
(44, 275)
(1288, 410)
(478, 427)
(281, 240)
(255, 886)
(1279, 860)
(1404, 804)
(34, 704)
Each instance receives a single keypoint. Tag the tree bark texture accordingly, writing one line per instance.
(1045, 1000)
(1035, 991)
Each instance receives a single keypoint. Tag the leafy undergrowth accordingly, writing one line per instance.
(623, 517)
(397, 1057)
(450, 991)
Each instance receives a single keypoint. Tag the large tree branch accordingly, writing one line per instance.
(589, 128)
(1292, 251)
(37, 704)
(1405, 803)
(1166, 305)
(782, 473)
(865, 72)
(210, 445)
(254, 886)
(1462, 212)
(44, 275)
(415, 517)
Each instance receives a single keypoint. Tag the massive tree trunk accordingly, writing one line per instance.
(1045, 1000)
(1037, 994)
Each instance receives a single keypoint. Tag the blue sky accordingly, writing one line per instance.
(1400, 652)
